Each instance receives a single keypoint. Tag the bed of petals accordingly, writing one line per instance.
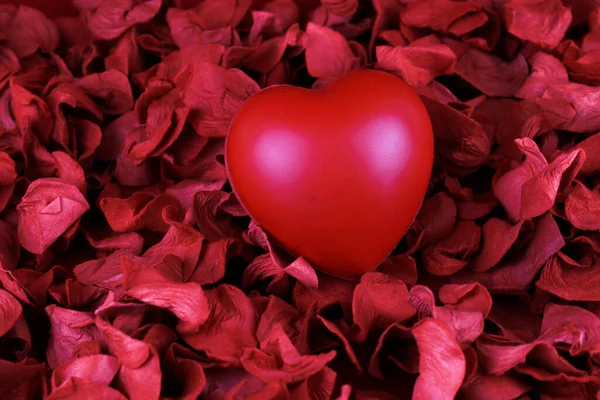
(128, 270)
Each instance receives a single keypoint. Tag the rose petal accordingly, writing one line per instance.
(441, 364)
(230, 327)
(541, 22)
(47, 210)
(328, 54)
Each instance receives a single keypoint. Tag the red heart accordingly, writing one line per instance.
(334, 175)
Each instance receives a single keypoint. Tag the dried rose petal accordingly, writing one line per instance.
(10, 311)
(328, 54)
(186, 300)
(542, 22)
(420, 62)
(203, 86)
(109, 19)
(490, 74)
(442, 362)
(581, 207)
(530, 189)
(378, 302)
(230, 327)
(26, 380)
(279, 360)
(47, 210)
(568, 282)
(27, 29)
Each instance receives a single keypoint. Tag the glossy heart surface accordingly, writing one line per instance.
(335, 175)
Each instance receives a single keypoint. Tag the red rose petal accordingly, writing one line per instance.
(461, 143)
(10, 311)
(497, 237)
(140, 211)
(581, 208)
(278, 359)
(452, 253)
(441, 364)
(186, 300)
(304, 272)
(420, 62)
(377, 312)
(186, 370)
(493, 387)
(470, 297)
(9, 246)
(402, 267)
(530, 189)
(591, 146)
(27, 30)
(110, 89)
(69, 329)
(203, 85)
(518, 273)
(181, 241)
(435, 220)
(568, 282)
(87, 368)
(47, 210)
(230, 327)
(139, 376)
(396, 346)
(490, 74)
(320, 386)
(69, 171)
(25, 380)
(77, 388)
(541, 22)
(328, 54)
(109, 19)
(436, 14)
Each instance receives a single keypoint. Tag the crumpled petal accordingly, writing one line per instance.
(581, 208)
(186, 300)
(460, 142)
(491, 75)
(68, 329)
(278, 359)
(25, 380)
(230, 327)
(109, 19)
(328, 54)
(497, 238)
(28, 30)
(47, 210)
(377, 312)
(569, 282)
(76, 388)
(452, 253)
(10, 311)
(519, 272)
(140, 211)
(530, 189)
(213, 94)
(543, 22)
(87, 368)
(435, 220)
(441, 363)
(418, 63)
(10, 251)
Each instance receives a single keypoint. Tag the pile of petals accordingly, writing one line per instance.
(128, 270)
